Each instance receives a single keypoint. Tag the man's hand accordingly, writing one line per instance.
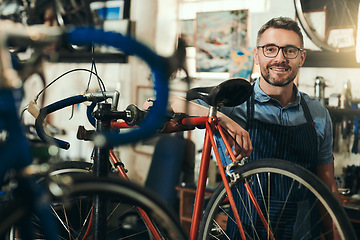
(242, 146)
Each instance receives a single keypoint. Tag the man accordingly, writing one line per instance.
(277, 103)
(281, 121)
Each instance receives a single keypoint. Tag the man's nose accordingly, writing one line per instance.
(281, 56)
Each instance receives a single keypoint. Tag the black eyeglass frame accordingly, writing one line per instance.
(278, 50)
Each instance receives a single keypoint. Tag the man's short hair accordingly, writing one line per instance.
(282, 23)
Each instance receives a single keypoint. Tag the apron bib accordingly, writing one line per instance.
(297, 144)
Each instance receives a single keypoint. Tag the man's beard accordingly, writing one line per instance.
(272, 82)
(277, 84)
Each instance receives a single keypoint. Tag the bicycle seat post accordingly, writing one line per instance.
(101, 168)
(212, 111)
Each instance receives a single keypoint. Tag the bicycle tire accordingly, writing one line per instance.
(72, 220)
(337, 15)
(210, 227)
(56, 170)
(69, 167)
(131, 195)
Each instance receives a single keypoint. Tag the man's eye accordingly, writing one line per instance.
(290, 50)
(270, 49)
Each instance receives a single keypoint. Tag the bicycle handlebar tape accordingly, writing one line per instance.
(52, 108)
(158, 65)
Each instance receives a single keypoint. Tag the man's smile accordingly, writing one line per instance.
(279, 69)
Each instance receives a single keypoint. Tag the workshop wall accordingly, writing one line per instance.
(156, 24)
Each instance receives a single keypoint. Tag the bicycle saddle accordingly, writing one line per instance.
(229, 93)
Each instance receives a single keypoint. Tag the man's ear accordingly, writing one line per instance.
(256, 56)
(302, 57)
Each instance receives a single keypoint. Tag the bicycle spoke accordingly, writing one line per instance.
(248, 211)
(60, 220)
(283, 207)
(280, 190)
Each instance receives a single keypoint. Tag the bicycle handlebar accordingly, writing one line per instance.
(94, 97)
(161, 67)
(52, 108)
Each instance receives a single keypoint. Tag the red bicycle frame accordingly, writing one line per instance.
(212, 124)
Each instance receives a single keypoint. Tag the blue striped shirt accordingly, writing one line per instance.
(269, 110)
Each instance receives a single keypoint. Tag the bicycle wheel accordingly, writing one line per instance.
(73, 212)
(68, 167)
(305, 197)
(55, 171)
(123, 219)
(330, 24)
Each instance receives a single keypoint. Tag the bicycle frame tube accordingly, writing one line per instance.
(147, 220)
(209, 143)
(226, 184)
(200, 192)
(246, 185)
(120, 125)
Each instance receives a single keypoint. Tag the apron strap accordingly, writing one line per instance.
(307, 113)
(251, 108)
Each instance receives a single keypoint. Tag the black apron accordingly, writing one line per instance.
(297, 144)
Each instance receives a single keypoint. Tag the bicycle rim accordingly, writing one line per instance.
(331, 25)
(56, 170)
(123, 219)
(124, 222)
(306, 195)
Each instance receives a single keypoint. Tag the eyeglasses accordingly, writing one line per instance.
(289, 52)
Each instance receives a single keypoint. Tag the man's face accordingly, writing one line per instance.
(279, 70)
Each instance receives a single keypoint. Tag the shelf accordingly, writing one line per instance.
(187, 196)
(337, 113)
(86, 57)
(330, 59)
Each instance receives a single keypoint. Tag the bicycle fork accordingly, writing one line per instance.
(209, 144)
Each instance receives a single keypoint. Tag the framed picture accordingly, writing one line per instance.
(221, 39)
(341, 37)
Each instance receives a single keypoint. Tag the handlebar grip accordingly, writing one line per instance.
(52, 108)
(159, 66)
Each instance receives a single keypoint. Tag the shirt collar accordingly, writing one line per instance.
(261, 96)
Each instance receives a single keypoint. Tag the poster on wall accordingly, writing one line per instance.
(221, 41)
